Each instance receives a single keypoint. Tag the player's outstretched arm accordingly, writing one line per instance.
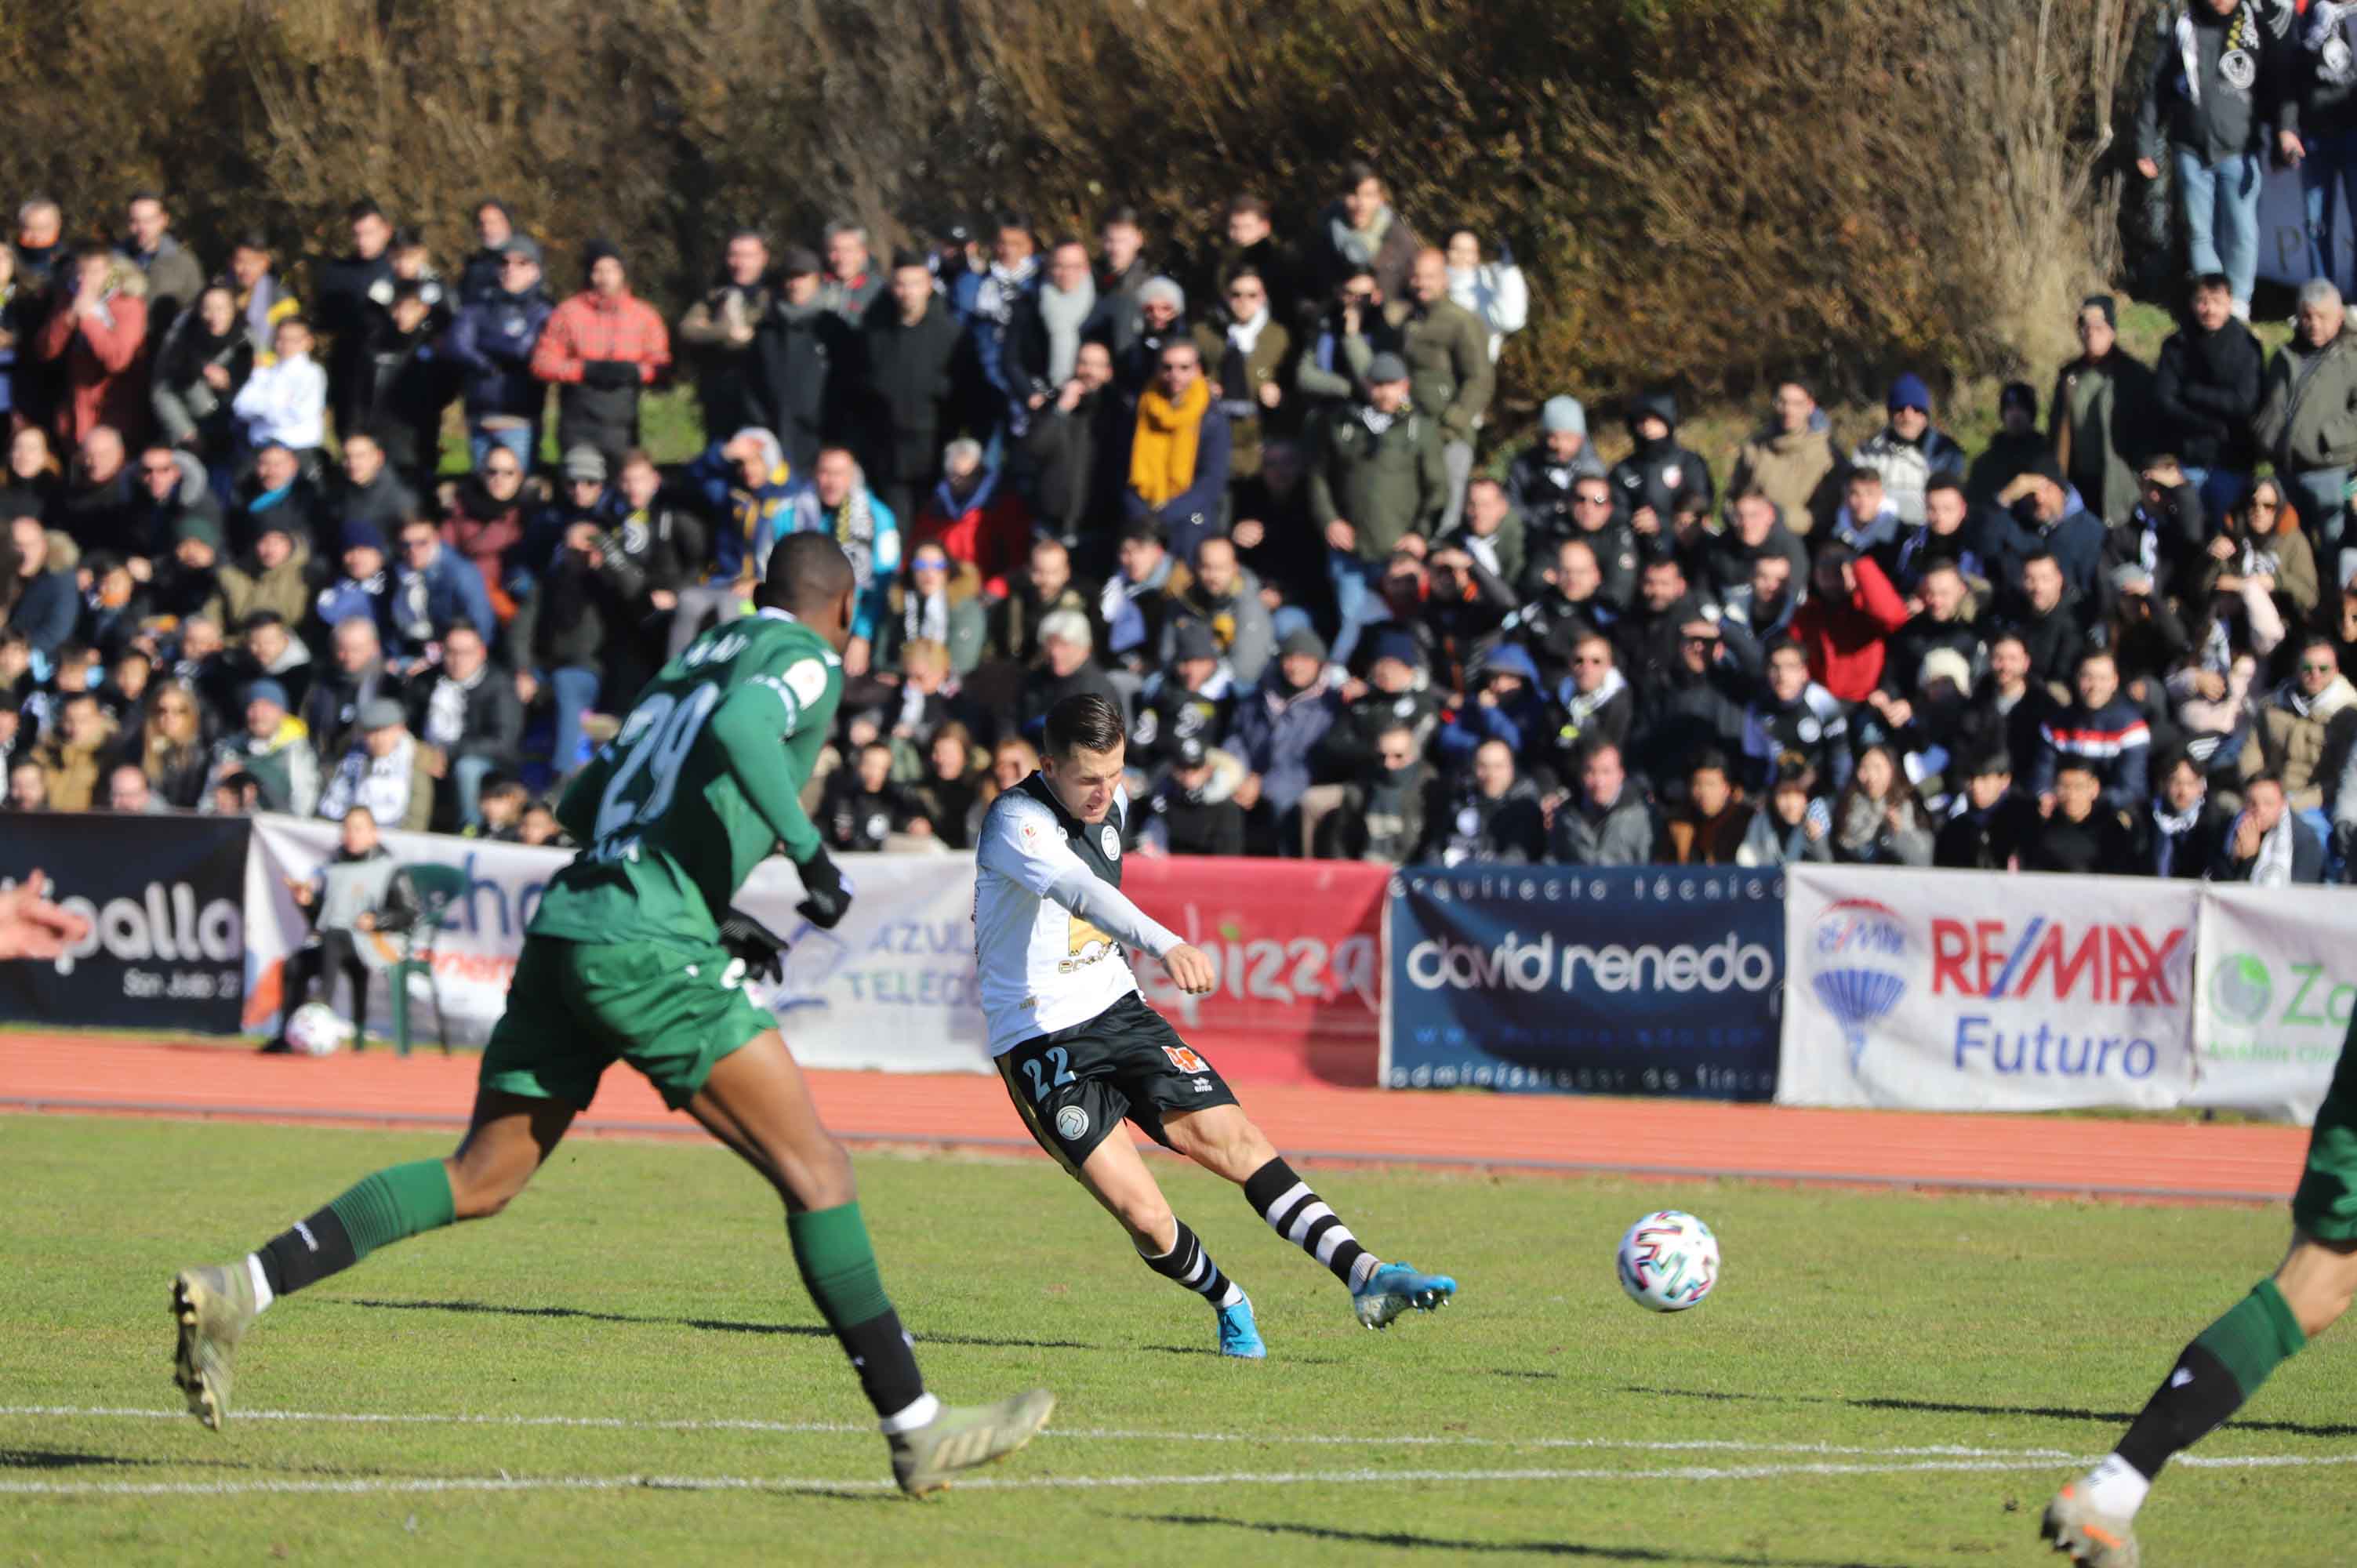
(1027, 846)
(747, 724)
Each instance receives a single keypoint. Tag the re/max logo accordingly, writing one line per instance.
(2096, 964)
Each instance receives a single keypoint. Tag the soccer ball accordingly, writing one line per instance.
(316, 1031)
(1669, 1261)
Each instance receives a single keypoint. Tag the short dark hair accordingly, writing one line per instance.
(2206, 283)
(1991, 762)
(2264, 775)
(363, 208)
(1357, 172)
(805, 571)
(1085, 722)
(1120, 213)
(261, 618)
(466, 624)
(1943, 482)
(2048, 556)
(1711, 760)
(1251, 206)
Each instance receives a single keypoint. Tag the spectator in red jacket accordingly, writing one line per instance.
(979, 519)
(1852, 609)
(98, 328)
(602, 348)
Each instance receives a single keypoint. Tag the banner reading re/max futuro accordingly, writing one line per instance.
(1991, 991)
(1605, 981)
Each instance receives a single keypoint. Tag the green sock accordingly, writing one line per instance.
(2258, 1335)
(838, 1265)
(398, 1201)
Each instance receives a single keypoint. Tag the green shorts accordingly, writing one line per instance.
(2325, 1207)
(575, 1008)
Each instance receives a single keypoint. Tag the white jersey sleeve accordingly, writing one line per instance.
(1047, 930)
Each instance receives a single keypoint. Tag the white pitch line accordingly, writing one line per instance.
(1099, 1435)
(366, 1486)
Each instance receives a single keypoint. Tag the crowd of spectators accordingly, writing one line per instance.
(1253, 496)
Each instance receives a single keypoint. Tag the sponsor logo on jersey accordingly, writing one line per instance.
(807, 680)
(1071, 1123)
(1111, 841)
(1086, 945)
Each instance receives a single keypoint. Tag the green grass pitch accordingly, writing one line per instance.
(1884, 1380)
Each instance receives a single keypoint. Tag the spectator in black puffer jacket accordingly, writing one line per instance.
(1661, 481)
(2206, 392)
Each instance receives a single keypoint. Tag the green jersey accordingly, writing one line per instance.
(700, 784)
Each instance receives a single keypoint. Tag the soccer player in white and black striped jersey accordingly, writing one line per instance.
(1080, 1050)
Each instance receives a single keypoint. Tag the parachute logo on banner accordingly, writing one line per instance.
(1854, 949)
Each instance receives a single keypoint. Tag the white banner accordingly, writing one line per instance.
(2277, 976)
(1964, 990)
(891, 988)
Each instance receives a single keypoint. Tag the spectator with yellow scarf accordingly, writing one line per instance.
(1179, 459)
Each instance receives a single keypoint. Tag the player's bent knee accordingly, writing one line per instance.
(816, 1178)
(479, 1195)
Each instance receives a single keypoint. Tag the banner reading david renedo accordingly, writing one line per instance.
(2272, 1001)
(162, 894)
(1602, 981)
(1968, 991)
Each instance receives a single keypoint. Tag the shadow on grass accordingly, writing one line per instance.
(67, 1459)
(1212, 1351)
(1571, 1550)
(710, 1325)
(2036, 1411)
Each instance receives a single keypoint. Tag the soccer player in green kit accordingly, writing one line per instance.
(635, 955)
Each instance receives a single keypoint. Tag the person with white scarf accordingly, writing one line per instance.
(385, 771)
(986, 302)
(2214, 95)
(2318, 125)
(1494, 291)
(2269, 845)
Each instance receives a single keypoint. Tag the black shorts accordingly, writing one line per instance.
(1073, 1086)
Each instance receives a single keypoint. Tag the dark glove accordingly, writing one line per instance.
(760, 949)
(828, 895)
(610, 375)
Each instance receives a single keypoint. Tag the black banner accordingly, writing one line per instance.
(164, 899)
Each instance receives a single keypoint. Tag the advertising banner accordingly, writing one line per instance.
(1604, 981)
(1996, 990)
(166, 931)
(1298, 948)
(891, 988)
(2277, 976)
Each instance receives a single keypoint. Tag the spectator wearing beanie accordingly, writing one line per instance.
(1660, 482)
(798, 351)
(601, 349)
(1790, 459)
(491, 343)
(1539, 481)
(1908, 451)
(2013, 450)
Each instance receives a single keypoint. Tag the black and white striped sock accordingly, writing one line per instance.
(1188, 1264)
(1301, 1217)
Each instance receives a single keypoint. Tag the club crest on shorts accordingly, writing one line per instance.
(1112, 841)
(1071, 1123)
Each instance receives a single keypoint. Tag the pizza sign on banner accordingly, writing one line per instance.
(1297, 949)
(1986, 991)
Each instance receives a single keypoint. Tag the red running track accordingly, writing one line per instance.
(2153, 1161)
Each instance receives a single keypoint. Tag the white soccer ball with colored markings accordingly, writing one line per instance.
(1669, 1261)
(316, 1031)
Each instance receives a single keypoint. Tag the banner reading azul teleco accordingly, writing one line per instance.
(163, 897)
(2276, 985)
(1987, 992)
(1604, 980)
